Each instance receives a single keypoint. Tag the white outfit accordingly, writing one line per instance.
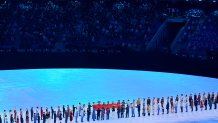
(181, 101)
(153, 106)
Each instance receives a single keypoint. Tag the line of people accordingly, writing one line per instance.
(154, 106)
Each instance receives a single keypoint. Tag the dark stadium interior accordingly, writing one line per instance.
(178, 36)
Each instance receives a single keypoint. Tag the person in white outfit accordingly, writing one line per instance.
(133, 108)
(79, 109)
(186, 103)
(76, 114)
(176, 105)
(83, 111)
(153, 105)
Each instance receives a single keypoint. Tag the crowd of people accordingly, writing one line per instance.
(53, 24)
(200, 36)
(129, 24)
(108, 111)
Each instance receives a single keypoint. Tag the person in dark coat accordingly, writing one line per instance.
(196, 104)
(208, 97)
(88, 111)
(31, 113)
(212, 97)
(127, 111)
(38, 117)
(98, 113)
(190, 98)
(192, 104)
(168, 105)
(55, 116)
(68, 110)
(44, 117)
(148, 101)
(195, 96)
(122, 110)
(11, 118)
(52, 113)
(0, 119)
(210, 103)
(118, 112)
(21, 119)
(216, 101)
(60, 117)
(162, 104)
(63, 110)
(177, 98)
(73, 110)
(205, 101)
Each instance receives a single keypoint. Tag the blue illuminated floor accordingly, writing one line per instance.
(53, 87)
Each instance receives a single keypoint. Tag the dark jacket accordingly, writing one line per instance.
(98, 112)
(44, 118)
(60, 117)
(21, 120)
(31, 111)
(168, 105)
(127, 109)
(148, 101)
(11, 119)
(89, 110)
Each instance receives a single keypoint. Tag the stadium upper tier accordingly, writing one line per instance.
(130, 24)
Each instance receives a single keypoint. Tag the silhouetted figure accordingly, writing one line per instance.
(127, 111)
(63, 110)
(52, 113)
(44, 117)
(31, 113)
(0, 119)
(139, 106)
(73, 110)
(98, 113)
(168, 105)
(88, 111)
(55, 116)
(11, 119)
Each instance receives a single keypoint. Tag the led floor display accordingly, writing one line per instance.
(53, 87)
